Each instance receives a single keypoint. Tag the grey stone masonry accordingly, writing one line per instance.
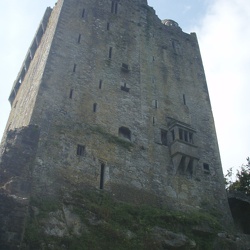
(121, 101)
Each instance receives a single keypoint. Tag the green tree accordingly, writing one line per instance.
(242, 182)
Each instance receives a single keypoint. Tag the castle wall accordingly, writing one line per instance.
(25, 90)
(122, 103)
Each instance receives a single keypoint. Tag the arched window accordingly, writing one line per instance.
(125, 133)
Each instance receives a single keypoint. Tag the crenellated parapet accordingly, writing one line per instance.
(30, 55)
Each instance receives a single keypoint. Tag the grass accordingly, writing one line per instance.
(117, 220)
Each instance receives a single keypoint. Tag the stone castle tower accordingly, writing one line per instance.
(112, 98)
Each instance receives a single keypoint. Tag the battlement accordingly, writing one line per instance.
(30, 55)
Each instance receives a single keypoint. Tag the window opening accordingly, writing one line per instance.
(184, 99)
(100, 84)
(180, 134)
(79, 38)
(186, 136)
(71, 94)
(102, 175)
(83, 13)
(112, 7)
(110, 52)
(191, 138)
(206, 168)
(125, 133)
(94, 107)
(173, 135)
(108, 26)
(116, 8)
(164, 137)
(74, 69)
(156, 104)
(80, 150)
(153, 120)
(125, 88)
(125, 67)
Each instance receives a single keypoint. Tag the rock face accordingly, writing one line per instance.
(170, 240)
(122, 104)
(17, 162)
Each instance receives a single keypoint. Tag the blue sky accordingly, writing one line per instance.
(223, 31)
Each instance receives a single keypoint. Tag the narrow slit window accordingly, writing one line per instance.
(71, 94)
(180, 134)
(94, 107)
(79, 38)
(153, 120)
(110, 52)
(80, 150)
(191, 138)
(102, 175)
(112, 7)
(116, 8)
(74, 68)
(155, 104)
(186, 136)
(100, 84)
(83, 13)
(184, 99)
(173, 135)
(108, 26)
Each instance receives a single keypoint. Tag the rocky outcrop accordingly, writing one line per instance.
(169, 240)
(18, 154)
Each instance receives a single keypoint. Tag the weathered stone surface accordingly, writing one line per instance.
(170, 240)
(122, 104)
(17, 162)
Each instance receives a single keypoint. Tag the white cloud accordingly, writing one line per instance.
(224, 37)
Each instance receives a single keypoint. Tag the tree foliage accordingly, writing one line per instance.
(242, 181)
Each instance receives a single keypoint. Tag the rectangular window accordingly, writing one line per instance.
(80, 150)
(110, 52)
(164, 137)
(108, 26)
(180, 134)
(173, 135)
(74, 68)
(184, 99)
(191, 138)
(94, 107)
(79, 38)
(71, 94)
(156, 104)
(125, 88)
(102, 175)
(116, 8)
(125, 67)
(83, 13)
(186, 138)
(112, 7)
(206, 168)
(100, 84)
